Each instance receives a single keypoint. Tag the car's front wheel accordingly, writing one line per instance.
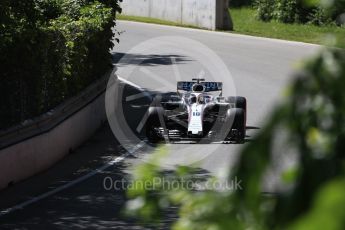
(153, 125)
(240, 103)
(236, 122)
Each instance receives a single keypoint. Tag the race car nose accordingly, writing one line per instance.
(198, 134)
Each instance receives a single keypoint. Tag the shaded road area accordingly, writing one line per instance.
(91, 204)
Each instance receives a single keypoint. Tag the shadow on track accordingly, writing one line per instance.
(124, 59)
(94, 205)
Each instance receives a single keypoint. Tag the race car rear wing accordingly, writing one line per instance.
(209, 86)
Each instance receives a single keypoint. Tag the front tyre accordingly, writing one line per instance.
(240, 103)
(153, 125)
(236, 120)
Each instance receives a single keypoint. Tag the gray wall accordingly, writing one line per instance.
(50, 141)
(210, 14)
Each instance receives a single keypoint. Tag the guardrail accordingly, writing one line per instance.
(52, 118)
(37, 144)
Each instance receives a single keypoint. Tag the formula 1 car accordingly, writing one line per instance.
(197, 112)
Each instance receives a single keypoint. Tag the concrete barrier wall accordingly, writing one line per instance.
(210, 14)
(136, 7)
(165, 9)
(199, 13)
(33, 155)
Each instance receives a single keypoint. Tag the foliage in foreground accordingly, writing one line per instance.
(50, 51)
(309, 123)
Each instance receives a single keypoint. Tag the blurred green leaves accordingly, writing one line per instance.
(327, 209)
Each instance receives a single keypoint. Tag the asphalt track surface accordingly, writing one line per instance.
(72, 193)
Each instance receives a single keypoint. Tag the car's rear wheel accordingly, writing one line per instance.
(240, 103)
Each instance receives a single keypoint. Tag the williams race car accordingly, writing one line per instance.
(197, 112)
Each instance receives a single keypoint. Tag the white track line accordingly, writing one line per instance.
(72, 183)
(130, 83)
(144, 92)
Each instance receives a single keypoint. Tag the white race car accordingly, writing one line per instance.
(198, 112)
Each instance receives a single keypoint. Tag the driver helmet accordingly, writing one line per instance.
(201, 99)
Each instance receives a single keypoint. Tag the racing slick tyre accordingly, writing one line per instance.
(236, 120)
(240, 102)
(153, 124)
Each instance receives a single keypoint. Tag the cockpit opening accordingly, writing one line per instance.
(192, 99)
